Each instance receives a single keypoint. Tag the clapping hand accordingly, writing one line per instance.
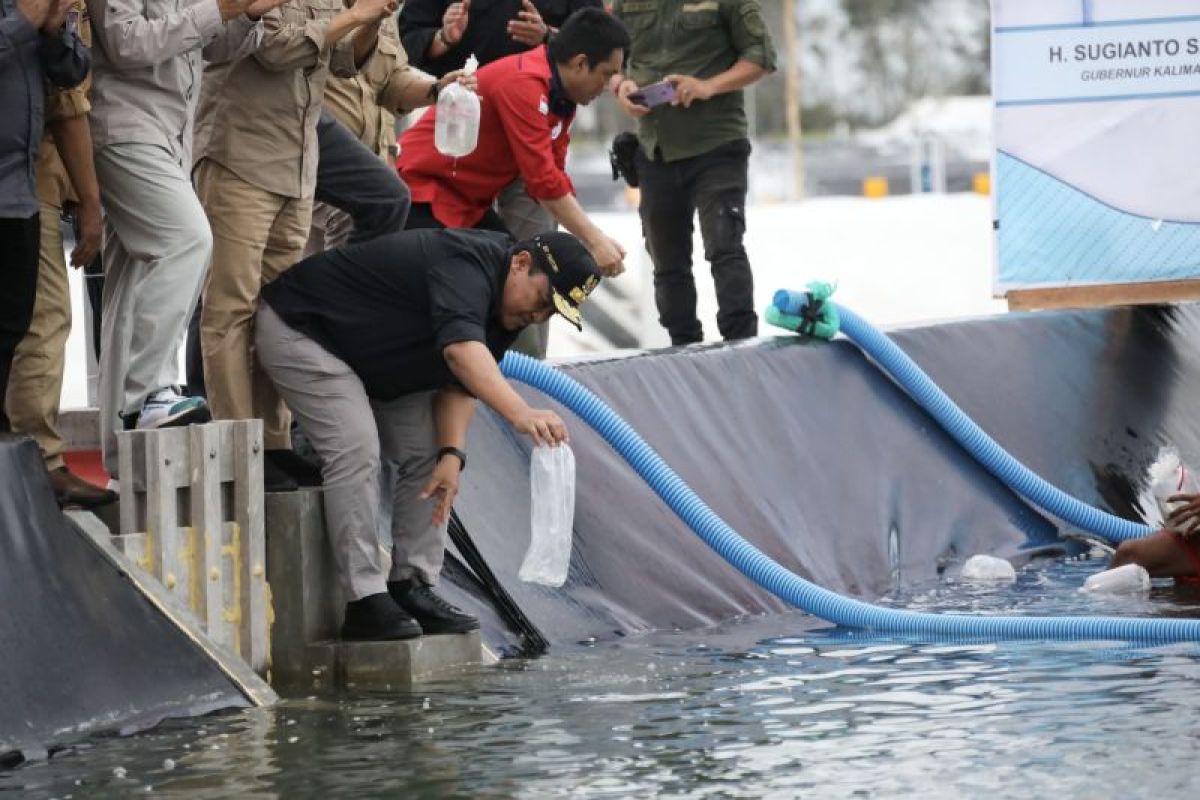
(528, 28)
(454, 22)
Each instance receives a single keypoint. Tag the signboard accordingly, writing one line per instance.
(1097, 153)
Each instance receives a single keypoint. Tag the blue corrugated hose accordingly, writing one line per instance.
(790, 587)
(1022, 480)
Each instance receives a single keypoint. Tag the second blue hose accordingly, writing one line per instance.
(1020, 478)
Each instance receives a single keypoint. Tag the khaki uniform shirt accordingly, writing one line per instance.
(365, 103)
(148, 59)
(53, 184)
(701, 38)
(258, 115)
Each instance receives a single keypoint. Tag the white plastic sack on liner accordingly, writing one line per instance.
(1169, 476)
(551, 515)
(988, 569)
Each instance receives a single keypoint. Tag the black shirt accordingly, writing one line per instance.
(389, 306)
(486, 34)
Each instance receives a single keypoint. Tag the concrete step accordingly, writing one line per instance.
(308, 604)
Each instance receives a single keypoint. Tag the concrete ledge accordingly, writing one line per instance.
(391, 665)
(80, 428)
(305, 652)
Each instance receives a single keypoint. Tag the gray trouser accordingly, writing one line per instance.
(524, 217)
(157, 246)
(350, 433)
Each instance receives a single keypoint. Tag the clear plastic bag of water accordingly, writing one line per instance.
(1169, 476)
(456, 128)
(551, 515)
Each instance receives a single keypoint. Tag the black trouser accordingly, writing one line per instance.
(421, 216)
(19, 243)
(350, 178)
(714, 183)
(353, 179)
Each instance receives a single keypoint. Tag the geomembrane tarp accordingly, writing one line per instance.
(818, 459)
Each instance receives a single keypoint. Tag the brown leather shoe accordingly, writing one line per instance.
(72, 490)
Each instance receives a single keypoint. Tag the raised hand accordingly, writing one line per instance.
(528, 28)
(370, 12)
(454, 22)
(56, 15)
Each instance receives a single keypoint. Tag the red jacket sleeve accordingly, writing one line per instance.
(540, 159)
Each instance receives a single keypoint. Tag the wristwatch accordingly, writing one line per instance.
(454, 451)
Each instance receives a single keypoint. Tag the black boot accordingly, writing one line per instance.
(275, 479)
(291, 463)
(375, 618)
(434, 613)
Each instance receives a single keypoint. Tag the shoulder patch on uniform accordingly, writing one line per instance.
(638, 6)
(704, 5)
(752, 20)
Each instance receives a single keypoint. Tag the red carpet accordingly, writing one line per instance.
(87, 465)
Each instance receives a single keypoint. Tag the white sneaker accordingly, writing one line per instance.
(166, 408)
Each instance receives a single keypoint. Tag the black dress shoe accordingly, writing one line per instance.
(275, 479)
(377, 618)
(71, 490)
(434, 613)
(291, 463)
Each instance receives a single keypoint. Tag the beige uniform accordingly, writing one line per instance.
(365, 104)
(35, 382)
(256, 168)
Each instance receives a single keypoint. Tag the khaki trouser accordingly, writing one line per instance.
(351, 433)
(257, 236)
(35, 382)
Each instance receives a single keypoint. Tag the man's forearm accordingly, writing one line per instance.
(739, 76)
(341, 25)
(473, 365)
(567, 211)
(365, 39)
(73, 138)
(452, 412)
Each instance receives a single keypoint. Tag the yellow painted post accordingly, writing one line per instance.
(875, 186)
(981, 183)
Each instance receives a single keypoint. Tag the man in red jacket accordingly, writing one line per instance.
(527, 105)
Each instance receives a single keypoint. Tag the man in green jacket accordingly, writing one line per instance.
(694, 150)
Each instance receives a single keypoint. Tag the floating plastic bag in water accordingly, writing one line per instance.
(1127, 579)
(1169, 476)
(988, 569)
(551, 515)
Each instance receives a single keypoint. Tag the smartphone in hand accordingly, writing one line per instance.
(654, 94)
